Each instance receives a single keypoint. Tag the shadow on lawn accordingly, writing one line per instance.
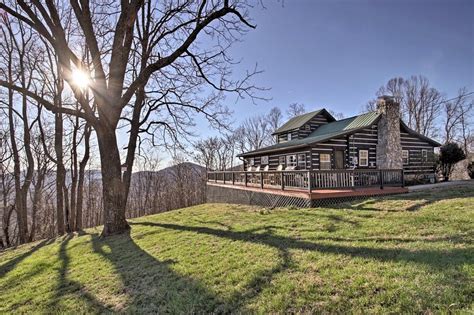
(445, 261)
(6, 268)
(66, 287)
(419, 198)
(152, 286)
(433, 258)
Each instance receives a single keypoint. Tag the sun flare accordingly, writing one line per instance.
(80, 78)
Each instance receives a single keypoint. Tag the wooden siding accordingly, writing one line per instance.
(316, 122)
(273, 159)
(302, 132)
(414, 145)
(365, 139)
(283, 137)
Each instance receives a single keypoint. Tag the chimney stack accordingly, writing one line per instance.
(389, 148)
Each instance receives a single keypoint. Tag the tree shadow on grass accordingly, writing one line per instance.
(419, 199)
(11, 264)
(66, 288)
(447, 262)
(152, 286)
(432, 258)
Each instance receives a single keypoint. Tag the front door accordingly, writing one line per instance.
(339, 159)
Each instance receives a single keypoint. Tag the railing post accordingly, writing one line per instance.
(381, 178)
(233, 178)
(282, 181)
(215, 177)
(245, 173)
(309, 181)
(223, 175)
(261, 180)
(403, 178)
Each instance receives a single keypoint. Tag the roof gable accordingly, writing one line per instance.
(301, 120)
(419, 135)
(345, 125)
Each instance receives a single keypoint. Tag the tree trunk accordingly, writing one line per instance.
(60, 173)
(113, 188)
(80, 184)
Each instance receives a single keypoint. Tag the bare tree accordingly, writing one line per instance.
(131, 44)
(275, 120)
(253, 134)
(295, 109)
(457, 118)
(420, 102)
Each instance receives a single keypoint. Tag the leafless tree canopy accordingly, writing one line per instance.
(424, 108)
(295, 109)
(150, 67)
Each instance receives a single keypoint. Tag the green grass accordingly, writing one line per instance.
(407, 253)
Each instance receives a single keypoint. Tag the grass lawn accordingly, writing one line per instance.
(406, 253)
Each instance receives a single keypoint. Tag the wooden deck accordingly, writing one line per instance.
(320, 193)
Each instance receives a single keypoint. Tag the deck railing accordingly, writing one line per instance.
(310, 180)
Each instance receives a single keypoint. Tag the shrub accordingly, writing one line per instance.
(450, 154)
(470, 170)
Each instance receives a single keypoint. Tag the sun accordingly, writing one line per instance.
(80, 78)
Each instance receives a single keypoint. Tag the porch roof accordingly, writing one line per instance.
(325, 132)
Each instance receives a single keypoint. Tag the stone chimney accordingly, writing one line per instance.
(389, 148)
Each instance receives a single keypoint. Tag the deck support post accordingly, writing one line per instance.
(261, 180)
(403, 178)
(381, 178)
(309, 182)
(223, 175)
(282, 181)
(245, 179)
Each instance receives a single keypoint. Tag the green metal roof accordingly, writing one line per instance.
(297, 122)
(325, 132)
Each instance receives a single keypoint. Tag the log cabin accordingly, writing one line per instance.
(374, 140)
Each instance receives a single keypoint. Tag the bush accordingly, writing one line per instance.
(470, 170)
(450, 154)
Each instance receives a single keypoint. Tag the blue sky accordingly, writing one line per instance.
(336, 54)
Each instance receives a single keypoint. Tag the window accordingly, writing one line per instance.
(424, 155)
(264, 160)
(405, 156)
(302, 161)
(281, 160)
(325, 161)
(289, 136)
(307, 127)
(291, 161)
(363, 157)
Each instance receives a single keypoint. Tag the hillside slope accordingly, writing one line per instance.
(404, 253)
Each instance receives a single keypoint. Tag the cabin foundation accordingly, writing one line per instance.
(273, 199)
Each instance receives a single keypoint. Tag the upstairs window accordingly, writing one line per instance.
(307, 127)
(289, 136)
(363, 157)
(405, 156)
(264, 160)
(325, 161)
(302, 161)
